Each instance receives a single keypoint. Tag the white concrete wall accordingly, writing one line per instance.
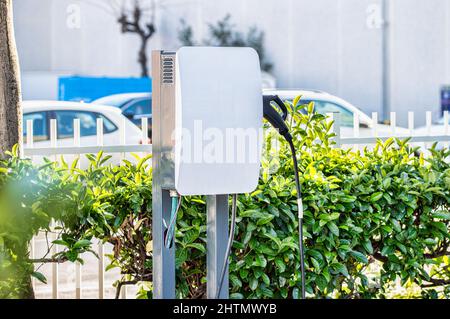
(40, 85)
(317, 44)
(420, 54)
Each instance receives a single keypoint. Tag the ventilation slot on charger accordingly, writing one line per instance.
(168, 70)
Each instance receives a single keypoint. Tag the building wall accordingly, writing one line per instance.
(420, 54)
(33, 29)
(332, 45)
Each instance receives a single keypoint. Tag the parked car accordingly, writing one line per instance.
(268, 81)
(41, 112)
(327, 103)
(134, 106)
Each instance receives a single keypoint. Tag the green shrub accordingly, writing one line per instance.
(372, 217)
(31, 198)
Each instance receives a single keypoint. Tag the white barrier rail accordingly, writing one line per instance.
(356, 139)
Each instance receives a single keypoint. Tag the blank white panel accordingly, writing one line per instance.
(218, 104)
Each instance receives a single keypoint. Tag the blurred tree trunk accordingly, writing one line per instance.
(29, 292)
(132, 23)
(138, 17)
(10, 95)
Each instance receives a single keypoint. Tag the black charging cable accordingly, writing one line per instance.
(277, 120)
(300, 216)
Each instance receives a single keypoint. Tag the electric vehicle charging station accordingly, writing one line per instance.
(212, 92)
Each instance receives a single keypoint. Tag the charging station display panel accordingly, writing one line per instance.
(218, 135)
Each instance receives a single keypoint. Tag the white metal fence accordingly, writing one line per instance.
(357, 139)
(29, 150)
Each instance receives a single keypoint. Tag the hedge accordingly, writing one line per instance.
(372, 218)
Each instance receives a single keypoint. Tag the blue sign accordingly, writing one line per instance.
(87, 89)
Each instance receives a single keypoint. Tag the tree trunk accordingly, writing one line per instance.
(143, 59)
(10, 95)
(28, 293)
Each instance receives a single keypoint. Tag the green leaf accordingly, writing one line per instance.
(281, 265)
(181, 255)
(253, 283)
(430, 241)
(402, 247)
(39, 276)
(260, 261)
(60, 242)
(386, 228)
(441, 214)
(310, 107)
(111, 266)
(197, 246)
(265, 220)
(316, 264)
(368, 246)
(333, 228)
(315, 253)
(266, 279)
(321, 282)
(334, 216)
(396, 225)
(359, 256)
(296, 100)
(267, 292)
(142, 161)
(235, 281)
(243, 273)
(340, 268)
(82, 244)
(387, 182)
(252, 213)
(348, 199)
(376, 197)
(190, 236)
(197, 200)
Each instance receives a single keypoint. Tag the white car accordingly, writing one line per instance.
(327, 103)
(134, 106)
(268, 80)
(41, 112)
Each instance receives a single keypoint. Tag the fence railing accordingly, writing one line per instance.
(29, 150)
(357, 139)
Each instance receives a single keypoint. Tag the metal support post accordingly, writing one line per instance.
(163, 64)
(217, 235)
